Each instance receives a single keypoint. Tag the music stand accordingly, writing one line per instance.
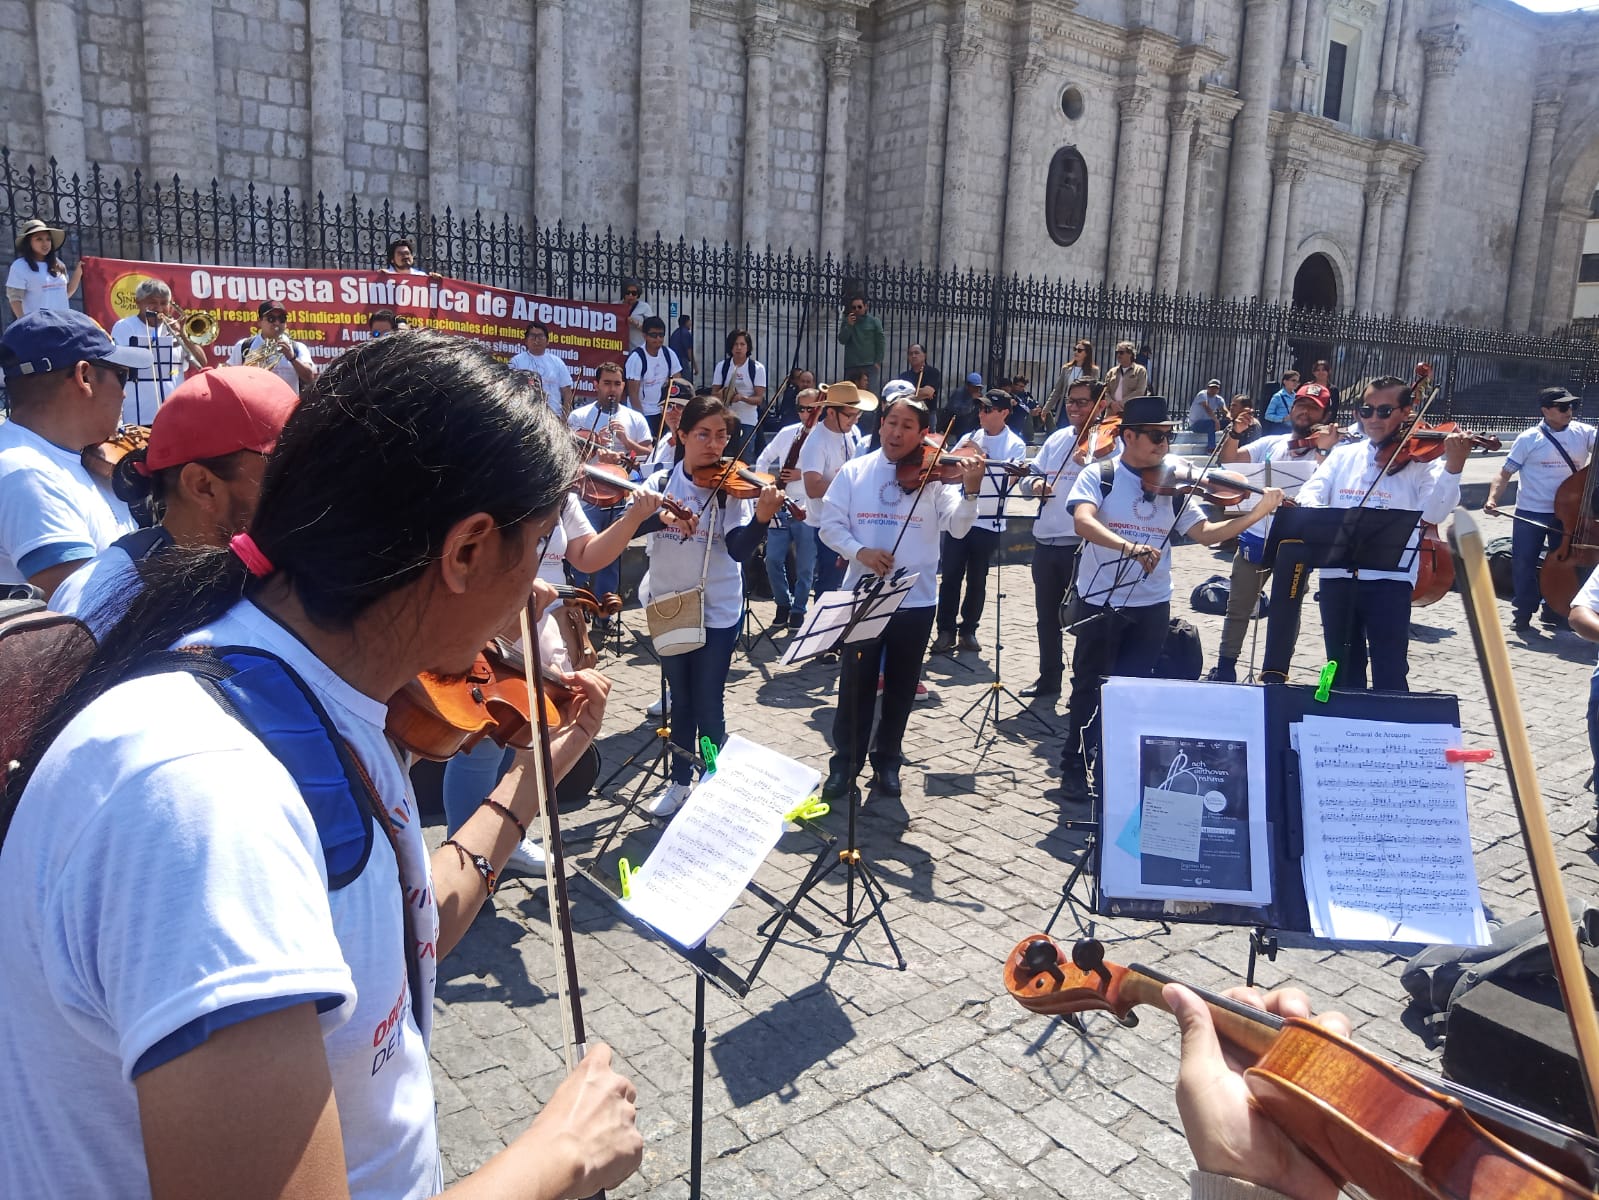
(1005, 483)
(1305, 539)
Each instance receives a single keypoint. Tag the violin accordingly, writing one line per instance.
(436, 718)
(1225, 489)
(736, 481)
(101, 459)
(928, 462)
(606, 486)
(1312, 440)
(592, 443)
(1424, 443)
(1395, 1134)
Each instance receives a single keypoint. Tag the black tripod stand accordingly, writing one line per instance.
(989, 700)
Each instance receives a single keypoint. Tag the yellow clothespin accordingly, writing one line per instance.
(813, 808)
(625, 870)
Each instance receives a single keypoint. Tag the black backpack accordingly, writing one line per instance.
(1183, 655)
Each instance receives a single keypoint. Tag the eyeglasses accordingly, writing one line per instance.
(1380, 411)
(631, 292)
(805, 408)
(1561, 406)
(1159, 436)
(123, 374)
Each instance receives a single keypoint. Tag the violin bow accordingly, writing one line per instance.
(1476, 588)
(574, 1036)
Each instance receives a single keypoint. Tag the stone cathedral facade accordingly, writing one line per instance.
(1434, 158)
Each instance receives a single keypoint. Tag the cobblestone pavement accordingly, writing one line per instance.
(838, 1074)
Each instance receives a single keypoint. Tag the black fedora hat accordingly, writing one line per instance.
(1147, 411)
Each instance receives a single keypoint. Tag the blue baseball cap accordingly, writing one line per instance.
(975, 379)
(58, 339)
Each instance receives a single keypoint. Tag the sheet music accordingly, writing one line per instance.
(1387, 840)
(833, 611)
(718, 840)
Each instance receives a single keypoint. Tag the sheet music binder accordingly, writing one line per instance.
(1285, 705)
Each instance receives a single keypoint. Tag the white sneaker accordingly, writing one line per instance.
(526, 859)
(668, 801)
(660, 708)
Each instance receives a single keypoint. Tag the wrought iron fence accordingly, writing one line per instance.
(792, 303)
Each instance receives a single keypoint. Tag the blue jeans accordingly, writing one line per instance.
(828, 573)
(1206, 426)
(1527, 544)
(607, 578)
(780, 534)
(1593, 720)
(469, 777)
(697, 680)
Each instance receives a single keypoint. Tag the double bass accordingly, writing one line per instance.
(1567, 565)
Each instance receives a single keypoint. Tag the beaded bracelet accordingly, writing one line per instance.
(507, 814)
(484, 867)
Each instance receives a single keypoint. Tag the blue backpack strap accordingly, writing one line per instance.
(263, 694)
(142, 543)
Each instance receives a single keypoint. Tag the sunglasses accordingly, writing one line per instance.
(631, 292)
(1560, 406)
(810, 408)
(1159, 436)
(1381, 411)
(123, 374)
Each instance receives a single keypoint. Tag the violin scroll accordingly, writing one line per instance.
(1043, 979)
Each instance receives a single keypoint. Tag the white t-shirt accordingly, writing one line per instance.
(1003, 446)
(1106, 578)
(1054, 518)
(145, 391)
(661, 455)
(282, 368)
(866, 508)
(551, 370)
(747, 376)
(39, 288)
(1588, 597)
(160, 870)
(1542, 468)
(652, 374)
(48, 499)
(676, 565)
(824, 452)
(772, 458)
(574, 523)
(1347, 473)
(1204, 406)
(590, 417)
(635, 333)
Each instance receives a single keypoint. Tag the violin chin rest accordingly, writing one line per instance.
(1129, 1020)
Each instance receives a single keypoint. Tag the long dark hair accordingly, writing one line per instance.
(398, 440)
(51, 262)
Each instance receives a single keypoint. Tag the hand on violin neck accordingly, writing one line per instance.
(544, 595)
(972, 475)
(642, 505)
(1227, 1135)
(1457, 448)
(768, 503)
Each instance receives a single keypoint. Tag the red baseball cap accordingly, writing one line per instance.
(1314, 392)
(217, 412)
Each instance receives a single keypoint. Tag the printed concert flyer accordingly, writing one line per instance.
(1194, 819)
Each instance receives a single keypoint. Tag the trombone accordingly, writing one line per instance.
(191, 330)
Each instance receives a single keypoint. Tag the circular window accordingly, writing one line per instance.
(1071, 102)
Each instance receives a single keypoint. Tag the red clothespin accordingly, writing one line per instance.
(1467, 756)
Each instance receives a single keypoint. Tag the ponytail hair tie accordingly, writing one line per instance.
(258, 564)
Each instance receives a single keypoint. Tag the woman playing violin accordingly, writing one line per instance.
(257, 1035)
(1372, 613)
(1060, 460)
(707, 551)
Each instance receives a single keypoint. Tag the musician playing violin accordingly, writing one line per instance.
(1371, 613)
(870, 518)
(1060, 460)
(256, 1035)
(1546, 455)
(781, 458)
(628, 429)
(1124, 573)
(1308, 441)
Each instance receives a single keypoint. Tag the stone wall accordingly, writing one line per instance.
(901, 193)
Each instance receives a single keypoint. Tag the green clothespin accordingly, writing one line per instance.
(708, 753)
(625, 870)
(1325, 682)
(813, 808)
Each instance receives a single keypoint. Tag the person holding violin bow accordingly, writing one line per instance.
(885, 512)
(1394, 465)
(606, 413)
(230, 1049)
(781, 458)
(1127, 518)
(1307, 440)
(1060, 460)
(727, 520)
(833, 442)
(1546, 455)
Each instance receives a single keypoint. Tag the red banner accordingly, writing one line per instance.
(328, 310)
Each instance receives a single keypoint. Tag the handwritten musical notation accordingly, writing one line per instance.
(717, 842)
(1387, 844)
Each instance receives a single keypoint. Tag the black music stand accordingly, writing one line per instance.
(1305, 539)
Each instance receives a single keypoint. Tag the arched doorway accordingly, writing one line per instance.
(1316, 283)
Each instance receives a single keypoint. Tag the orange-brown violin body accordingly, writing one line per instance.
(101, 459)
(437, 718)
(1366, 1121)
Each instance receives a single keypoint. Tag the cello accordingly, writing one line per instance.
(1562, 573)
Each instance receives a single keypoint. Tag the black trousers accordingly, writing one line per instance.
(1362, 614)
(1116, 641)
(1053, 568)
(964, 559)
(897, 656)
